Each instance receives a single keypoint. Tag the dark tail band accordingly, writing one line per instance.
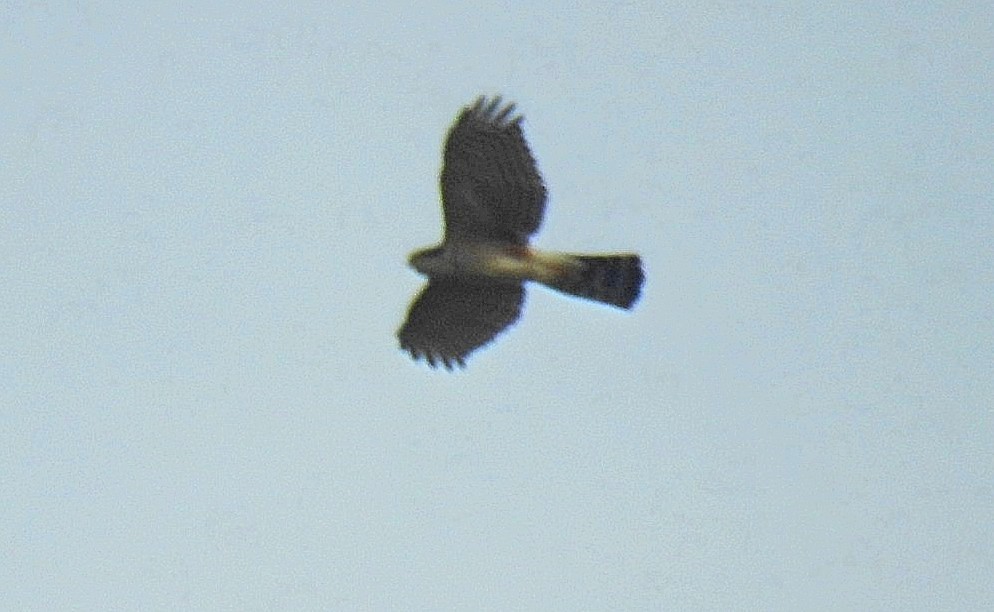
(610, 279)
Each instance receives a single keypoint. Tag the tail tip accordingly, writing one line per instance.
(632, 283)
(615, 280)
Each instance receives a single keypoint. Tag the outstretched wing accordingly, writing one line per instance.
(451, 319)
(491, 188)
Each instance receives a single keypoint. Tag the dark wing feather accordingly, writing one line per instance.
(491, 187)
(451, 319)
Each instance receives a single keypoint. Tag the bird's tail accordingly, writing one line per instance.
(610, 279)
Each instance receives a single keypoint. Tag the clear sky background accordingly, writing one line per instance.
(205, 212)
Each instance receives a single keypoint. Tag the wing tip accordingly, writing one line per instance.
(490, 109)
(434, 359)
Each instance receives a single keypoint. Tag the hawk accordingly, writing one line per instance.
(493, 199)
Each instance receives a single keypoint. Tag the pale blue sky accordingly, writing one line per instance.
(205, 211)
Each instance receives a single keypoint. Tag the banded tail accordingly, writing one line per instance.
(610, 279)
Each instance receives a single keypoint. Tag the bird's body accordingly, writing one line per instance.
(493, 200)
(491, 260)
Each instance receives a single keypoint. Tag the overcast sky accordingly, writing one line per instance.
(205, 213)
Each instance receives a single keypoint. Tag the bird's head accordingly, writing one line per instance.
(428, 261)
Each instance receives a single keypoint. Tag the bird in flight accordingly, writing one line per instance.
(493, 199)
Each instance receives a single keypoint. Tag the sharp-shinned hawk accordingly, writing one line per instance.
(493, 199)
